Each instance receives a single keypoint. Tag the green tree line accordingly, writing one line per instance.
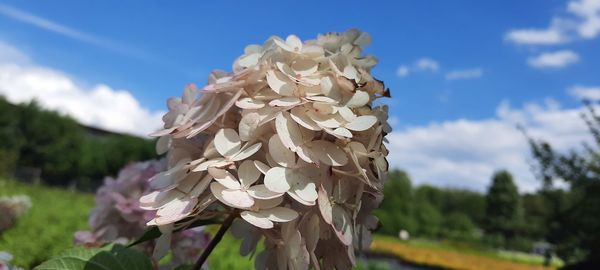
(62, 150)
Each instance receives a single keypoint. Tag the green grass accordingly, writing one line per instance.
(48, 227)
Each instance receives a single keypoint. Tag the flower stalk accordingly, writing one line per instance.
(215, 241)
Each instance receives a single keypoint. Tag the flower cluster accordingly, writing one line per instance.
(5, 259)
(11, 208)
(290, 140)
(118, 217)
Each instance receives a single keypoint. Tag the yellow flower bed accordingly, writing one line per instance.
(445, 258)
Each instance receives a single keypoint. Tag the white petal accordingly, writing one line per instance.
(280, 154)
(201, 186)
(325, 205)
(329, 153)
(342, 224)
(304, 67)
(280, 83)
(294, 42)
(175, 210)
(343, 132)
(327, 121)
(233, 198)
(249, 103)
(299, 115)
(248, 173)
(289, 132)
(227, 142)
(351, 73)
(285, 102)
(257, 219)
(300, 200)
(278, 179)
(249, 60)
(313, 51)
(263, 168)
(262, 192)
(280, 214)
(218, 163)
(246, 152)
(346, 113)
(359, 99)
(225, 178)
(267, 204)
(322, 99)
(237, 198)
(248, 126)
(305, 190)
(362, 123)
(162, 144)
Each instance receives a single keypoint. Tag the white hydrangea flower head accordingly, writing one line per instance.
(291, 142)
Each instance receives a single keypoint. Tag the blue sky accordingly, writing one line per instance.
(460, 60)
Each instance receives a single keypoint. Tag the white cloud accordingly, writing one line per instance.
(402, 71)
(556, 59)
(465, 153)
(463, 74)
(536, 36)
(427, 64)
(581, 21)
(585, 92)
(48, 25)
(588, 12)
(100, 105)
(424, 64)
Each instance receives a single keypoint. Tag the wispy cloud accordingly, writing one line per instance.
(558, 59)
(582, 21)
(424, 64)
(463, 74)
(33, 20)
(585, 92)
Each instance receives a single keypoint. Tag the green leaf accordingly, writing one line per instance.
(115, 257)
(184, 267)
(150, 234)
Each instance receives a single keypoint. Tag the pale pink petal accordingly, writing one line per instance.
(280, 154)
(362, 123)
(225, 178)
(248, 174)
(280, 214)
(249, 103)
(285, 102)
(280, 83)
(227, 142)
(329, 153)
(246, 152)
(304, 67)
(257, 219)
(279, 179)
(262, 192)
(299, 115)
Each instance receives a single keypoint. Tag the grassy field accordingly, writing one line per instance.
(48, 227)
(438, 254)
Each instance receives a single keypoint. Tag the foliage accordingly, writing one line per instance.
(419, 210)
(573, 213)
(63, 150)
(504, 212)
(48, 227)
(110, 257)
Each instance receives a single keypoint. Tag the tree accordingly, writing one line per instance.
(574, 221)
(395, 211)
(504, 212)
